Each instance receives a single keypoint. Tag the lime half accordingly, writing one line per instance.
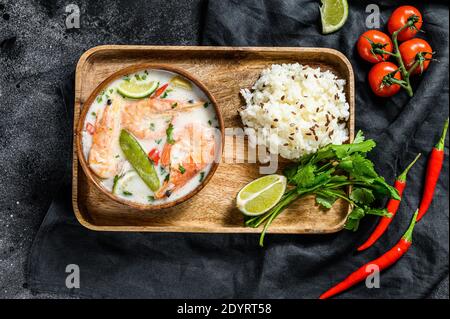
(137, 89)
(261, 195)
(334, 13)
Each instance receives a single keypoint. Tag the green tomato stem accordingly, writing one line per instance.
(398, 56)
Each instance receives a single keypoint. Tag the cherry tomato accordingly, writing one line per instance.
(371, 41)
(90, 128)
(410, 53)
(161, 90)
(378, 75)
(154, 156)
(400, 17)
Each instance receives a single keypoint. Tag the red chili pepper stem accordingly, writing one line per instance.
(408, 234)
(402, 176)
(440, 145)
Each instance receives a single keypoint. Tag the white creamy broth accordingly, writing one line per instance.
(180, 123)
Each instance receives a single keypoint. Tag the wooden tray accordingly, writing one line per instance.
(224, 70)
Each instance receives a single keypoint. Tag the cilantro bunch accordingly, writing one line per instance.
(327, 174)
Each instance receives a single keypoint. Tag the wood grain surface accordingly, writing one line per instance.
(224, 71)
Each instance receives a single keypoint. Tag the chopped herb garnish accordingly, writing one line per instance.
(191, 101)
(146, 72)
(166, 179)
(152, 126)
(111, 90)
(181, 169)
(116, 179)
(117, 156)
(158, 141)
(99, 99)
(202, 176)
(205, 105)
(127, 193)
(169, 133)
(143, 76)
(174, 105)
(126, 78)
(164, 95)
(151, 198)
(163, 171)
(137, 77)
(209, 122)
(94, 114)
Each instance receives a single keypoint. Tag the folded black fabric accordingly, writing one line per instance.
(152, 265)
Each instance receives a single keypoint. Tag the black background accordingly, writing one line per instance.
(35, 142)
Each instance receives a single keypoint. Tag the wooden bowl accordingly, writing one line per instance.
(128, 70)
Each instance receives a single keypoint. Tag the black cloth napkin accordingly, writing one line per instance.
(165, 265)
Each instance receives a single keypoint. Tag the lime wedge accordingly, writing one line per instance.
(261, 195)
(137, 89)
(180, 82)
(334, 13)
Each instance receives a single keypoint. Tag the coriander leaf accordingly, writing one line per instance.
(353, 219)
(169, 134)
(325, 199)
(352, 224)
(359, 137)
(304, 177)
(362, 195)
(381, 187)
(379, 212)
(345, 150)
(338, 179)
(324, 153)
(290, 171)
(359, 167)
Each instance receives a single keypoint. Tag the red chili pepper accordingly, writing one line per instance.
(161, 90)
(154, 156)
(384, 261)
(392, 208)
(90, 128)
(433, 171)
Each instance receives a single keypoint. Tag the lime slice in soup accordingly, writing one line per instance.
(261, 195)
(137, 89)
(180, 82)
(334, 13)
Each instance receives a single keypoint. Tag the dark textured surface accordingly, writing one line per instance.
(36, 55)
(232, 265)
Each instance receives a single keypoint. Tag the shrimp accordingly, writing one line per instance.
(149, 118)
(194, 148)
(103, 158)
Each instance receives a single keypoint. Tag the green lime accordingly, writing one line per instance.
(334, 13)
(261, 195)
(137, 89)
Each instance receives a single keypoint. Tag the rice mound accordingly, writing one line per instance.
(293, 110)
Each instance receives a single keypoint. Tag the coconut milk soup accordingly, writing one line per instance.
(151, 137)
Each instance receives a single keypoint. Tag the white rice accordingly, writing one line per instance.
(294, 110)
